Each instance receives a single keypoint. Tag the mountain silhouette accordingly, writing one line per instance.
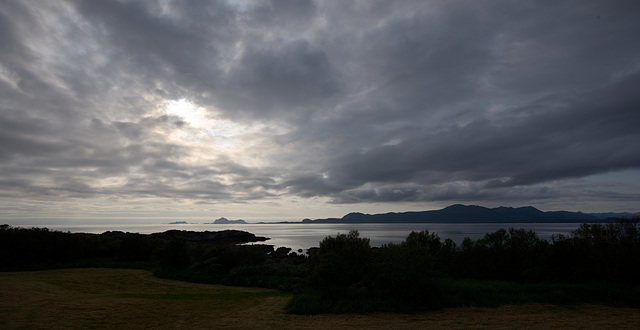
(466, 214)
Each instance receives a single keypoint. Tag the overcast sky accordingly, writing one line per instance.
(128, 110)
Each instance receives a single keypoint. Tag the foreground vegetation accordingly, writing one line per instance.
(596, 264)
(134, 299)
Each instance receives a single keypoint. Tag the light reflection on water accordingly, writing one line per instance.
(305, 235)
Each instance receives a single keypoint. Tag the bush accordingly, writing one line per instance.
(514, 254)
(340, 262)
(599, 252)
(407, 274)
(174, 255)
(347, 275)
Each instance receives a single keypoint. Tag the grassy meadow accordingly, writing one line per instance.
(131, 298)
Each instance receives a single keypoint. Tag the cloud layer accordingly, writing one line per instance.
(282, 105)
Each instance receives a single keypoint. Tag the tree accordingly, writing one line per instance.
(599, 252)
(514, 254)
(174, 255)
(340, 261)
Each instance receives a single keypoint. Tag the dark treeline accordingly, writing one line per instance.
(209, 257)
(597, 263)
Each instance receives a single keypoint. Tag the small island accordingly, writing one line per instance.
(227, 221)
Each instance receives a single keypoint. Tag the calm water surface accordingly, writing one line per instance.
(303, 236)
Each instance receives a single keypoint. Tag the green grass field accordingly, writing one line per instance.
(134, 299)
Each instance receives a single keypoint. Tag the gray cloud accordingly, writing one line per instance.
(584, 136)
(285, 80)
(360, 102)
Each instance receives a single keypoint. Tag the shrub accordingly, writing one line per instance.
(599, 252)
(514, 254)
(340, 261)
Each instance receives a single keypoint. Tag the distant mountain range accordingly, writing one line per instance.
(475, 214)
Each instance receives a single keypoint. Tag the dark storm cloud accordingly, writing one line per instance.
(285, 80)
(568, 114)
(551, 139)
(282, 14)
(360, 101)
(154, 52)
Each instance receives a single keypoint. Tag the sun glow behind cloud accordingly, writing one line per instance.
(187, 111)
(212, 138)
(210, 135)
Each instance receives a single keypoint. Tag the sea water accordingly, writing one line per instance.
(306, 235)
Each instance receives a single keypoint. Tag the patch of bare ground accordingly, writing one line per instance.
(134, 299)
